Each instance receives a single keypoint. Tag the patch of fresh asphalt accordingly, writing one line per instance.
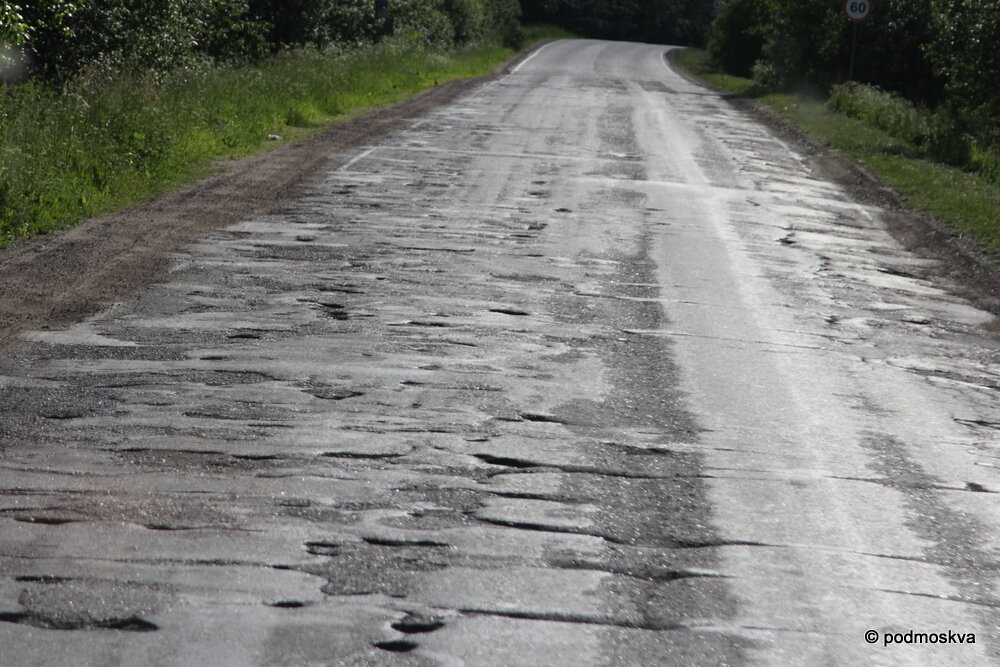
(582, 368)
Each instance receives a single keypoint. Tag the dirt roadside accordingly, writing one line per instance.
(49, 281)
(972, 271)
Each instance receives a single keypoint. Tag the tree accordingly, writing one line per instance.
(964, 52)
(658, 21)
(26, 28)
(802, 42)
(893, 50)
(736, 36)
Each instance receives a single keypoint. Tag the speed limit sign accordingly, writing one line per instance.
(858, 10)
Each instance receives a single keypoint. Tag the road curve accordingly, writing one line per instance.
(584, 368)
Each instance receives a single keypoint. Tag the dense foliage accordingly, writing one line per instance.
(965, 53)
(656, 21)
(60, 38)
(787, 42)
(941, 54)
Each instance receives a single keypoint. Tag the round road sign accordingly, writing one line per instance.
(857, 10)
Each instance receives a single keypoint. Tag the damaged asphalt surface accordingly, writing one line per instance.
(585, 367)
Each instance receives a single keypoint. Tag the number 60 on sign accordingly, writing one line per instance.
(857, 10)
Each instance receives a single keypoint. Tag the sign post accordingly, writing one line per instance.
(857, 11)
(383, 17)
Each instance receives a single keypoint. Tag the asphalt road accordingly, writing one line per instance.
(584, 368)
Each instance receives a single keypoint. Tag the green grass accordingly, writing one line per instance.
(970, 202)
(535, 33)
(104, 142)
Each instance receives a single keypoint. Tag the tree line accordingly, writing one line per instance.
(58, 38)
(656, 21)
(939, 53)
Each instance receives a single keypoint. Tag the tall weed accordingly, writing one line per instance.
(940, 135)
(881, 109)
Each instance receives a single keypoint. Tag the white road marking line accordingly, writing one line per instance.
(666, 63)
(525, 61)
(354, 159)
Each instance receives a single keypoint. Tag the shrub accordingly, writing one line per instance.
(802, 41)
(948, 140)
(986, 161)
(424, 22)
(503, 19)
(316, 22)
(65, 37)
(886, 110)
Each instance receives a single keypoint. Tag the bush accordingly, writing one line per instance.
(65, 37)
(468, 19)
(802, 40)
(503, 18)
(424, 22)
(985, 160)
(942, 134)
(947, 140)
(316, 22)
(888, 111)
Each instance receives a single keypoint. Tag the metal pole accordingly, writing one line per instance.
(854, 47)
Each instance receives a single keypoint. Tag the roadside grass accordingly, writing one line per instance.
(105, 141)
(968, 201)
(536, 33)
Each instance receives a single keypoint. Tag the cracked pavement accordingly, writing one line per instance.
(586, 367)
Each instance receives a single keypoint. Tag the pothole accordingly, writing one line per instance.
(389, 542)
(414, 625)
(510, 311)
(130, 624)
(64, 414)
(396, 645)
(360, 455)
(333, 394)
(85, 604)
(287, 604)
(323, 548)
(506, 461)
(45, 520)
(541, 417)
